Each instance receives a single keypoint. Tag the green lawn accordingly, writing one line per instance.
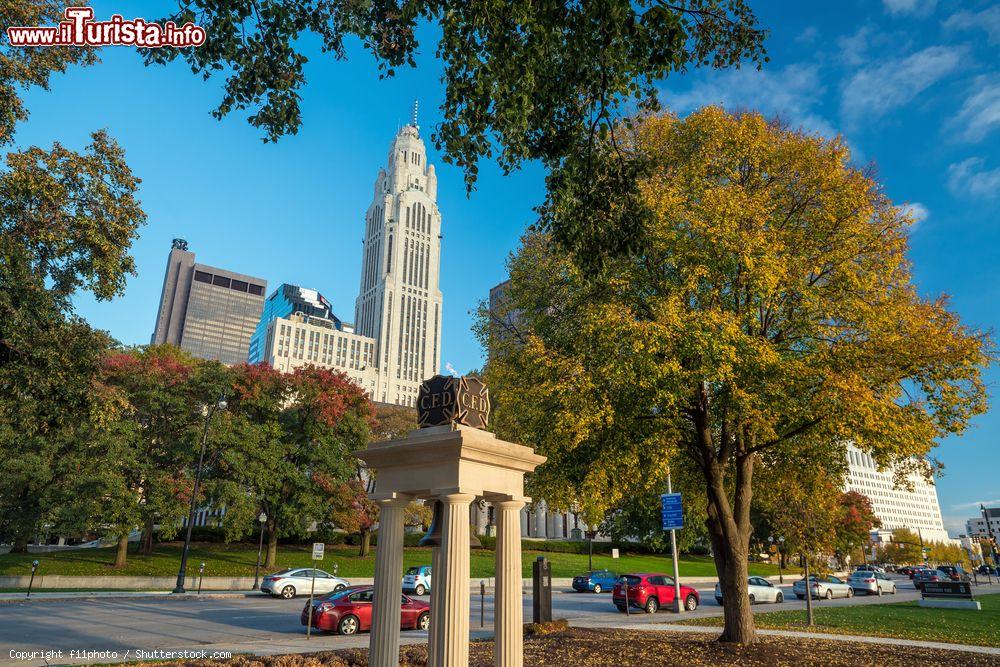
(239, 560)
(903, 620)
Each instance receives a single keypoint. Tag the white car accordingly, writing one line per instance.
(828, 587)
(759, 590)
(299, 581)
(871, 582)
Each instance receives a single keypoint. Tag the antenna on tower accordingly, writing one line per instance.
(416, 104)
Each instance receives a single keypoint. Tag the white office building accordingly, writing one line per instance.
(896, 507)
(977, 526)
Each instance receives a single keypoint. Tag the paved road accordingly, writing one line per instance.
(269, 625)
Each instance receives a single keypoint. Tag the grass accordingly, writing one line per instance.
(239, 559)
(901, 620)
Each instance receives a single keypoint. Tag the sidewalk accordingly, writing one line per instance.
(886, 641)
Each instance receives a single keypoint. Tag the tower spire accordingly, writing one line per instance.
(416, 105)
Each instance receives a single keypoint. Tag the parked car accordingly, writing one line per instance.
(985, 570)
(595, 581)
(828, 587)
(916, 569)
(350, 610)
(906, 570)
(920, 577)
(417, 580)
(954, 572)
(299, 581)
(870, 582)
(759, 589)
(649, 592)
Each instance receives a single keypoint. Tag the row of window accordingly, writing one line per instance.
(229, 283)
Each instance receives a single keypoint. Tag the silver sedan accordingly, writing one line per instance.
(759, 589)
(828, 587)
(300, 581)
(871, 582)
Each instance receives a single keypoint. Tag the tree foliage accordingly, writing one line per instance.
(67, 221)
(523, 80)
(768, 308)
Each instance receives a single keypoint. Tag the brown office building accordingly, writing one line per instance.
(208, 312)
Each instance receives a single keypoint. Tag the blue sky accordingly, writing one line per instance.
(914, 86)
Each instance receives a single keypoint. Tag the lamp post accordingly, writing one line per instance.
(781, 557)
(260, 548)
(34, 568)
(220, 404)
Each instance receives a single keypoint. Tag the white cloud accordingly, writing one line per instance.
(969, 178)
(917, 211)
(807, 36)
(914, 7)
(451, 369)
(955, 525)
(988, 20)
(980, 114)
(792, 92)
(876, 90)
(975, 504)
(854, 47)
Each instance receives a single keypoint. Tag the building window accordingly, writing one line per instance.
(203, 277)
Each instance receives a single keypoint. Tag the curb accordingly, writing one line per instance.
(123, 595)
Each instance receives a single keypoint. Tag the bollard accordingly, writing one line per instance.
(541, 580)
(482, 603)
(34, 566)
(201, 576)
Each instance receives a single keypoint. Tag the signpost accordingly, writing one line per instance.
(948, 594)
(318, 550)
(672, 515)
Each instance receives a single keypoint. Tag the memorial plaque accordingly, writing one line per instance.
(445, 399)
(946, 589)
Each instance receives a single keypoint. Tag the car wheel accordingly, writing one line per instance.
(288, 592)
(420, 590)
(753, 600)
(597, 588)
(850, 592)
(829, 594)
(339, 587)
(893, 591)
(691, 603)
(424, 621)
(652, 606)
(801, 597)
(779, 598)
(348, 625)
(718, 601)
(621, 608)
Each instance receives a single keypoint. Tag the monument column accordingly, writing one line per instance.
(452, 641)
(437, 582)
(508, 646)
(383, 646)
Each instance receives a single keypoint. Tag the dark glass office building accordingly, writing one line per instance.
(285, 301)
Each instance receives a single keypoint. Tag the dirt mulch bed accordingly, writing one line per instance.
(626, 648)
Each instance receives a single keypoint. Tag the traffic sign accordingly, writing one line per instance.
(318, 549)
(671, 511)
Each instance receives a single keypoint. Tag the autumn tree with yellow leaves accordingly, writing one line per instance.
(766, 308)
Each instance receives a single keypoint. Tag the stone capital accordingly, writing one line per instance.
(391, 499)
(454, 496)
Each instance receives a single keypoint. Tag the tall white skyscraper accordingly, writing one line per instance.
(399, 303)
(394, 343)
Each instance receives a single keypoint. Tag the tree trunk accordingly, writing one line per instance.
(121, 555)
(272, 543)
(366, 541)
(729, 530)
(146, 541)
(20, 545)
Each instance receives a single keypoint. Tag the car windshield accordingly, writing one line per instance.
(862, 574)
(413, 570)
(336, 595)
(631, 580)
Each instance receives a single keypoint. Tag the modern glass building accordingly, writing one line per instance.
(283, 302)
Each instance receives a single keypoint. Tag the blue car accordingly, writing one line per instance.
(595, 581)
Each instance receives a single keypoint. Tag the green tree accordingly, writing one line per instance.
(292, 447)
(67, 220)
(147, 443)
(768, 309)
(523, 80)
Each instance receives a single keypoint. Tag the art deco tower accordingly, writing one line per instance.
(399, 303)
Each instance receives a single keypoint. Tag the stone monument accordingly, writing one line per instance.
(451, 459)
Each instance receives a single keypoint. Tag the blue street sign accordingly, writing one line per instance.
(671, 511)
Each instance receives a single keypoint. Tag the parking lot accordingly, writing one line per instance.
(261, 624)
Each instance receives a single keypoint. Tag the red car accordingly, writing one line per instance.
(350, 611)
(650, 592)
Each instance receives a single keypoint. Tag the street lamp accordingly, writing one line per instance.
(208, 411)
(781, 551)
(260, 548)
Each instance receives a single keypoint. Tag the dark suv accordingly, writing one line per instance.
(954, 572)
